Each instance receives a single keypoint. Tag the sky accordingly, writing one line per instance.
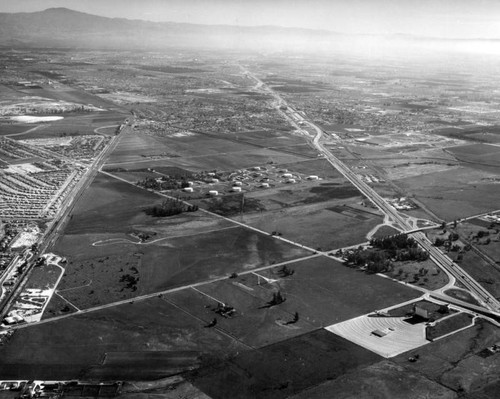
(470, 19)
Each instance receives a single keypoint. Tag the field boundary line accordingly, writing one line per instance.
(161, 293)
(221, 216)
(66, 300)
(111, 241)
(220, 330)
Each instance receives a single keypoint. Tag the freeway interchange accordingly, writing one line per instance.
(297, 119)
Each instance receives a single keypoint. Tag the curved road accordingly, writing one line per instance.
(404, 222)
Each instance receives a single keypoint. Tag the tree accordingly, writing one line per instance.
(294, 320)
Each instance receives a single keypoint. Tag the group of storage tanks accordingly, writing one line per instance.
(236, 188)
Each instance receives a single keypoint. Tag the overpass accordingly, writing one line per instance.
(403, 222)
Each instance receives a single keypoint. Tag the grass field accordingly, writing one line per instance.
(453, 360)
(384, 231)
(73, 124)
(107, 263)
(423, 274)
(169, 263)
(477, 153)
(454, 194)
(282, 369)
(138, 145)
(381, 380)
(484, 273)
(325, 292)
(7, 128)
(328, 225)
(448, 325)
(66, 349)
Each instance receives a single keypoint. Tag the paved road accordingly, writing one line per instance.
(404, 222)
(161, 293)
(61, 218)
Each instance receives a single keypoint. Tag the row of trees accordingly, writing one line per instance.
(165, 183)
(375, 261)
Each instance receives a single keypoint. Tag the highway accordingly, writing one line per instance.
(404, 222)
(60, 219)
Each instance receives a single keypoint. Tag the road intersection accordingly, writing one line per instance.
(403, 222)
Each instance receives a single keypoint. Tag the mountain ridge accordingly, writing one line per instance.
(64, 27)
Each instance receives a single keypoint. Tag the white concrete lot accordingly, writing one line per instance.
(401, 336)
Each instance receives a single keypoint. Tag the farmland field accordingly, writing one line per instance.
(68, 348)
(454, 362)
(477, 153)
(454, 194)
(327, 225)
(381, 380)
(284, 368)
(172, 262)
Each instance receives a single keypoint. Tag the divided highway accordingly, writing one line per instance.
(443, 261)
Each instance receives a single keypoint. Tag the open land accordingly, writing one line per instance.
(241, 292)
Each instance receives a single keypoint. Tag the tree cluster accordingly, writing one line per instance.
(400, 247)
(164, 183)
(170, 207)
(375, 261)
(130, 280)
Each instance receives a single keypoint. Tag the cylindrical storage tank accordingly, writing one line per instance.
(213, 193)
(188, 189)
(236, 189)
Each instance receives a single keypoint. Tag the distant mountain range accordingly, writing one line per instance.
(63, 28)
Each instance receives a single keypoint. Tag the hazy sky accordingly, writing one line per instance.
(438, 18)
